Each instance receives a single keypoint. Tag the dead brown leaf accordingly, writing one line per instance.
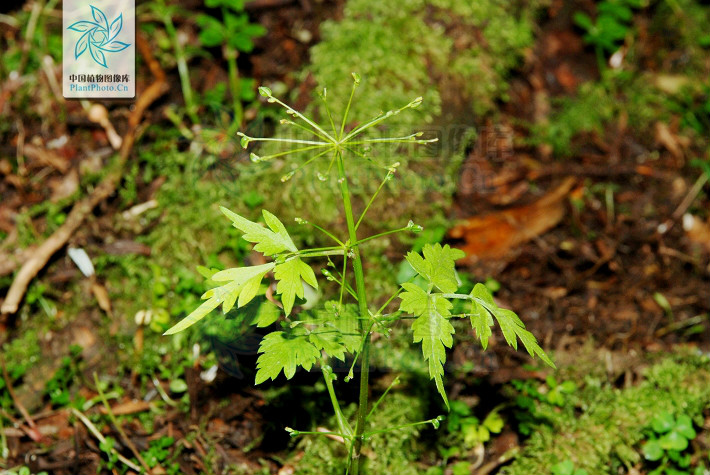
(495, 235)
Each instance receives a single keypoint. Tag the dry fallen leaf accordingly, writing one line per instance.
(102, 297)
(494, 235)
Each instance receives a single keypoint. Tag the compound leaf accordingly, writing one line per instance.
(289, 275)
(269, 240)
(285, 352)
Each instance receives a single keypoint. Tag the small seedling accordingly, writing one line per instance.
(667, 443)
(342, 329)
(611, 26)
(235, 34)
(471, 431)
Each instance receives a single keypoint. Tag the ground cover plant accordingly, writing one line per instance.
(343, 329)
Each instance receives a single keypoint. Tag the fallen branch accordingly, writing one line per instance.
(83, 208)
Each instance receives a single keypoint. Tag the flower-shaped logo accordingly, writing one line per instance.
(98, 36)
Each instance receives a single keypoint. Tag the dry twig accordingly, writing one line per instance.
(83, 208)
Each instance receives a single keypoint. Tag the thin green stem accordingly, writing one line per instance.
(327, 111)
(435, 422)
(364, 314)
(235, 86)
(271, 139)
(458, 296)
(370, 238)
(306, 254)
(347, 110)
(288, 152)
(379, 188)
(295, 113)
(296, 433)
(304, 164)
(384, 394)
(343, 283)
(389, 300)
(357, 355)
(343, 424)
(408, 139)
(303, 127)
(326, 232)
(183, 71)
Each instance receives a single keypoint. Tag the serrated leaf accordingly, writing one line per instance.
(481, 292)
(481, 322)
(432, 328)
(330, 342)
(284, 352)
(414, 299)
(344, 320)
(512, 327)
(248, 280)
(437, 266)
(290, 286)
(269, 241)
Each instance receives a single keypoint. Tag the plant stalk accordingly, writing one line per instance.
(234, 85)
(362, 412)
(183, 70)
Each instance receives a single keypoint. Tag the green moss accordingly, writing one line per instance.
(606, 434)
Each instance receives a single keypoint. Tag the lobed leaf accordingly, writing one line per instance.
(285, 352)
(269, 241)
(432, 328)
(290, 286)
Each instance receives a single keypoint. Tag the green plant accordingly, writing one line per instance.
(235, 34)
(339, 329)
(21, 471)
(668, 439)
(59, 385)
(106, 446)
(166, 13)
(471, 431)
(611, 26)
(158, 453)
(604, 428)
